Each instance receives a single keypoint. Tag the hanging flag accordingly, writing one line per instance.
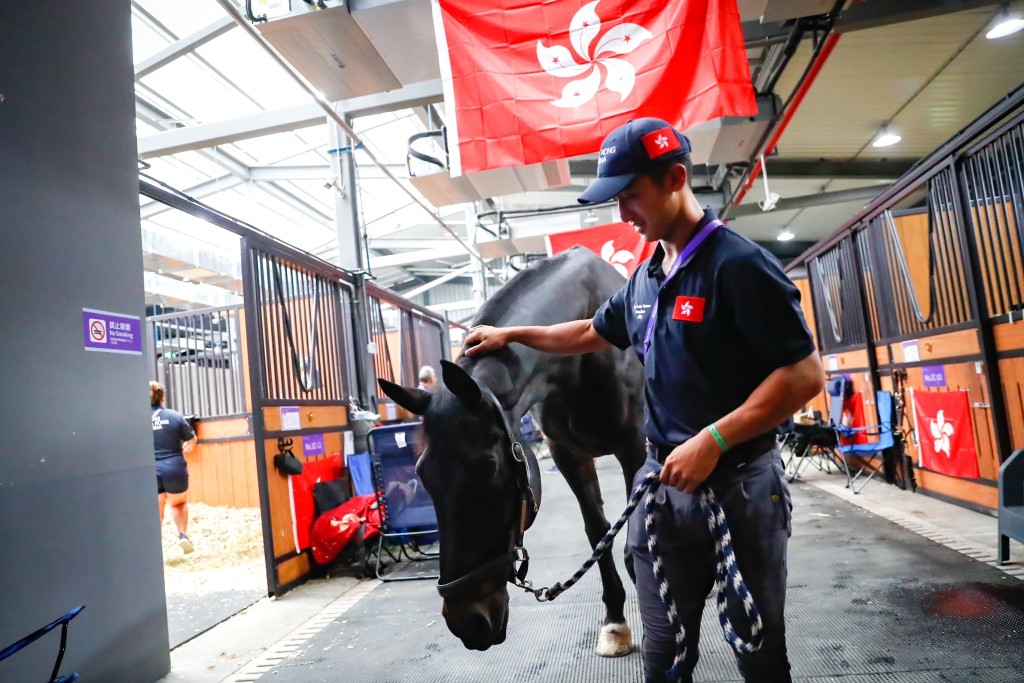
(942, 420)
(535, 81)
(853, 416)
(617, 243)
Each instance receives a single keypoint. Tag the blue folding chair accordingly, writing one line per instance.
(407, 513)
(31, 638)
(867, 452)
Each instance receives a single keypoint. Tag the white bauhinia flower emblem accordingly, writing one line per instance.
(618, 40)
(686, 309)
(618, 259)
(941, 431)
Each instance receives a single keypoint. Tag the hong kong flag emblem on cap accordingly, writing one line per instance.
(689, 308)
(661, 141)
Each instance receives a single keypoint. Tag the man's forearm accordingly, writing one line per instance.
(577, 336)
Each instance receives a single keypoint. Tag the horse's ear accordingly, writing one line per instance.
(460, 383)
(413, 400)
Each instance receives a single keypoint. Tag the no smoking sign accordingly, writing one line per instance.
(98, 330)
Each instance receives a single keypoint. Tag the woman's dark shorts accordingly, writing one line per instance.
(172, 474)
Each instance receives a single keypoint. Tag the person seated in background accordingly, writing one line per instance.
(173, 436)
(427, 378)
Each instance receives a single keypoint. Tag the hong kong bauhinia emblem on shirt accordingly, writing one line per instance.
(597, 60)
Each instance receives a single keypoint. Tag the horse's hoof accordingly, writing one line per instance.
(615, 640)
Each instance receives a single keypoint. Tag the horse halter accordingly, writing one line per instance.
(529, 498)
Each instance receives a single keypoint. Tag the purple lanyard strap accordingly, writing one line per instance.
(684, 257)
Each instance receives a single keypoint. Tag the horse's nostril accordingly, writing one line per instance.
(479, 625)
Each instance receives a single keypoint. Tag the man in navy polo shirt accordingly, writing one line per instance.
(728, 357)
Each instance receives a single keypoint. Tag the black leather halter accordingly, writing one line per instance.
(528, 485)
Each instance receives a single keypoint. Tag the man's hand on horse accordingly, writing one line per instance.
(484, 339)
(690, 463)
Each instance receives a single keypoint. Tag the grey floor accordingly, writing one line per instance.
(868, 601)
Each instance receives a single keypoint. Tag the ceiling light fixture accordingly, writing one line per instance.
(590, 217)
(1006, 23)
(886, 138)
(785, 236)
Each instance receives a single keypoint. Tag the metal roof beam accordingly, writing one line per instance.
(410, 257)
(183, 47)
(458, 272)
(820, 199)
(790, 168)
(869, 14)
(213, 186)
(282, 120)
(825, 168)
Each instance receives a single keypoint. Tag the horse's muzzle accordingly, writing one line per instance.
(479, 624)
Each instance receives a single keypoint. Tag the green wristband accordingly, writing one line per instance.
(718, 437)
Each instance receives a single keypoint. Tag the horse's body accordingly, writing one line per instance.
(589, 405)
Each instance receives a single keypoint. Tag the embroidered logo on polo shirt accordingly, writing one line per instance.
(689, 308)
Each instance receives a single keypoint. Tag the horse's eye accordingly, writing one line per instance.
(486, 469)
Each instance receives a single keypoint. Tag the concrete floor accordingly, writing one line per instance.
(302, 635)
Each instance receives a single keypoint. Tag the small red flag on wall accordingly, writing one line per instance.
(945, 435)
(535, 81)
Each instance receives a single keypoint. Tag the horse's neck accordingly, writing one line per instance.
(517, 380)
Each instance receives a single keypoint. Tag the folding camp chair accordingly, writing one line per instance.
(867, 452)
(812, 443)
(408, 520)
(31, 638)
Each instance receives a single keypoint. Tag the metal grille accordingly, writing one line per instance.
(406, 340)
(993, 179)
(837, 300)
(382, 365)
(898, 306)
(197, 357)
(300, 313)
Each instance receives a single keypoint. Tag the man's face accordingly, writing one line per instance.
(651, 207)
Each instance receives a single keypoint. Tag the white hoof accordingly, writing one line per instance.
(615, 640)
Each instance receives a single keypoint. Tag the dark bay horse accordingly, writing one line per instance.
(589, 405)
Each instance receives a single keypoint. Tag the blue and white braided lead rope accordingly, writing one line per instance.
(728, 579)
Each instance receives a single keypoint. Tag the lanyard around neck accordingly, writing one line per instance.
(684, 257)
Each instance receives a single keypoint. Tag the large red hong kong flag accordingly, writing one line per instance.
(534, 81)
(945, 435)
(617, 243)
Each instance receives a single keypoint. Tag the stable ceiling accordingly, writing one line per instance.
(219, 120)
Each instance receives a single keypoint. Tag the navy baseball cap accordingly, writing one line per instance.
(628, 151)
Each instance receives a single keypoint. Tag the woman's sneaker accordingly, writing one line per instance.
(186, 545)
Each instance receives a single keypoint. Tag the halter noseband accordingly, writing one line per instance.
(529, 496)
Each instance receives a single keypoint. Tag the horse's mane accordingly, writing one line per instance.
(524, 281)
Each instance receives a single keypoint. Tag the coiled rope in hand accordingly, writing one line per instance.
(728, 579)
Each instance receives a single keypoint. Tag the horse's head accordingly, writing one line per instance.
(472, 474)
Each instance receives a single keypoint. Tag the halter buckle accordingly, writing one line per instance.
(520, 554)
(518, 454)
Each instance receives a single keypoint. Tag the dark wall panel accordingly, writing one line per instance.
(77, 488)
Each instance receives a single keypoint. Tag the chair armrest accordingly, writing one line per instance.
(1011, 480)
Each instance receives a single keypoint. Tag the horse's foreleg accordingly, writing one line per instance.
(615, 638)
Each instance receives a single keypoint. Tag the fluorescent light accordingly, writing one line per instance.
(886, 138)
(785, 236)
(1005, 24)
(590, 217)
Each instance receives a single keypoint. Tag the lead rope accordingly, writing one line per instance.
(728, 579)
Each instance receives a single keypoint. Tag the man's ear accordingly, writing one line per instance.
(678, 176)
